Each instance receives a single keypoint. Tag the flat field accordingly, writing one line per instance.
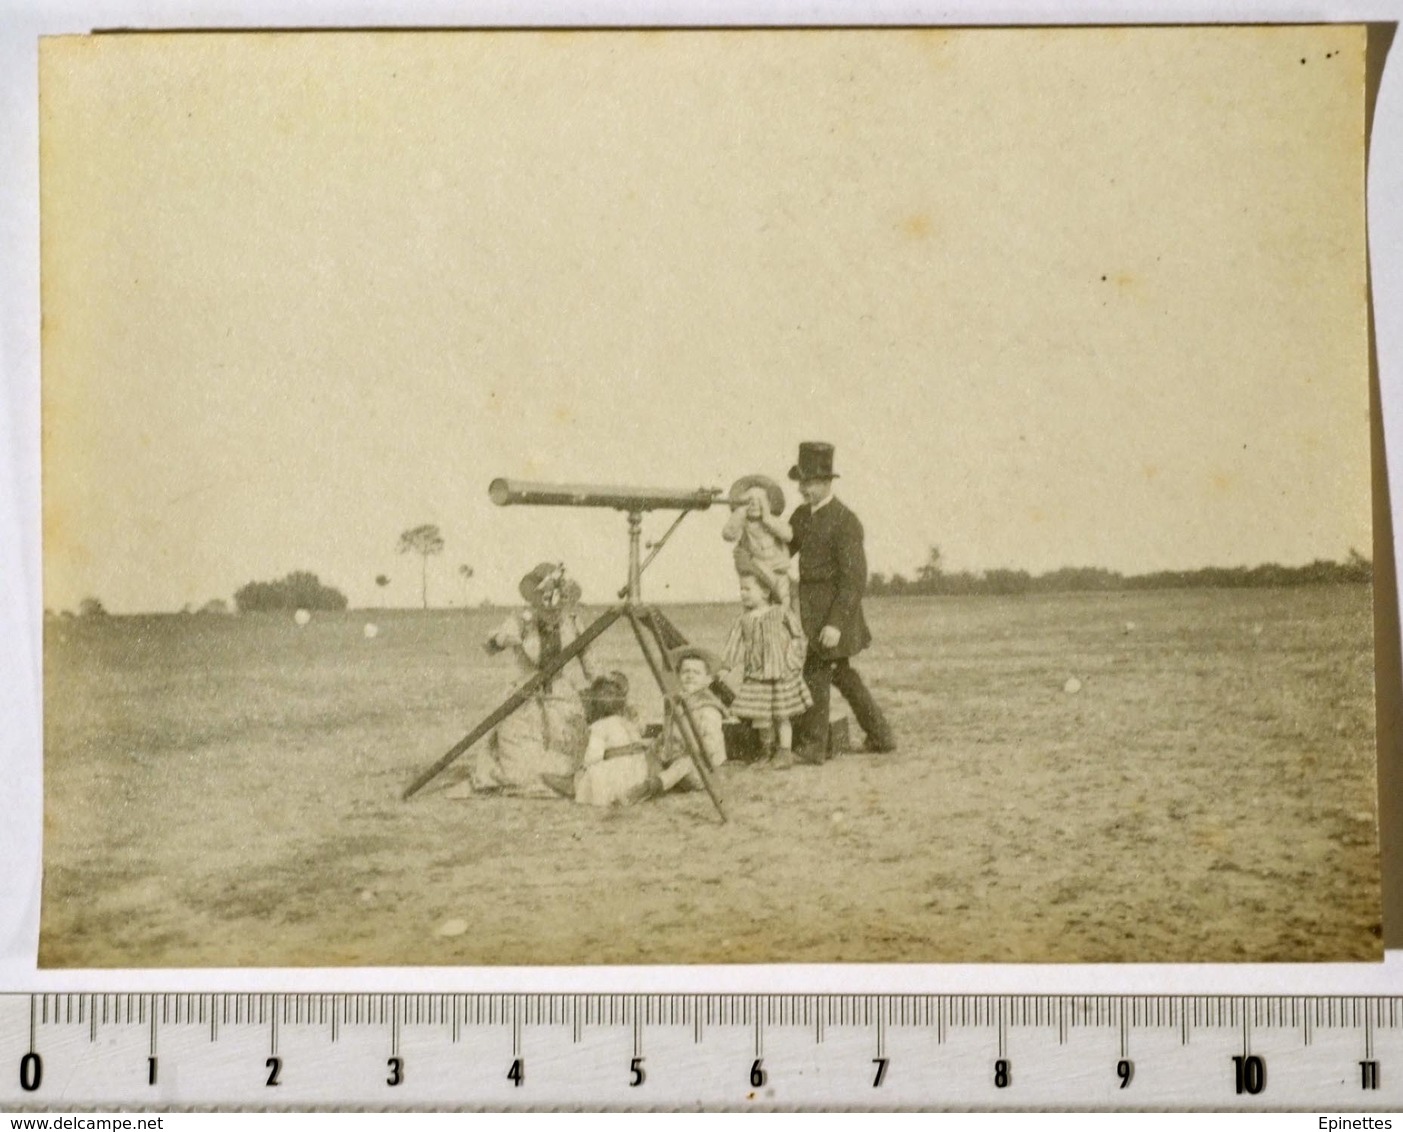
(224, 791)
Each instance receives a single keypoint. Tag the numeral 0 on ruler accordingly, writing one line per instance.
(674, 1050)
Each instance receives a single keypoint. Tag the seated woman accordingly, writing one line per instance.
(619, 765)
(547, 734)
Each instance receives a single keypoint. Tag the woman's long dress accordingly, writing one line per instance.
(547, 734)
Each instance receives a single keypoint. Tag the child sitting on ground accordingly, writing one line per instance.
(696, 669)
(618, 767)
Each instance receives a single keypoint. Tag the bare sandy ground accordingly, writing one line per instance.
(225, 791)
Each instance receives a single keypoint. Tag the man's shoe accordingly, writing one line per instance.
(783, 759)
(810, 756)
(883, 746)
(562, 784)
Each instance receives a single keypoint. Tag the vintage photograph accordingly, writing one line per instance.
(715, 496)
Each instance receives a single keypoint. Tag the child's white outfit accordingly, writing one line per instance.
(618, 768)
(758, 547)
(615, 763)
(768, 646)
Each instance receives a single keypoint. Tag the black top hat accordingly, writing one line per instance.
(815, 462)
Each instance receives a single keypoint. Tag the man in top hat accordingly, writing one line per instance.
(832, 579)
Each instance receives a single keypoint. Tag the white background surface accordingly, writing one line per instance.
(21, 23)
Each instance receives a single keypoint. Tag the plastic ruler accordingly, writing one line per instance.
(670, 1051)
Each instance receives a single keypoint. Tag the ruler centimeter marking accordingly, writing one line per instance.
(958, 1050)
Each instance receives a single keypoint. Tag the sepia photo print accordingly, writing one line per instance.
(715, 496)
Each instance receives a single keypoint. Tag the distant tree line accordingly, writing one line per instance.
(88, 607)
(299, 590)
(932, 579)
(304, 590)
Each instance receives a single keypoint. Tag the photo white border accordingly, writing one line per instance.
(22, 22)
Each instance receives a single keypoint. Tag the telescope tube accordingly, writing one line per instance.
(506, 493)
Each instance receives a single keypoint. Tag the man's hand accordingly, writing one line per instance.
(829, 636)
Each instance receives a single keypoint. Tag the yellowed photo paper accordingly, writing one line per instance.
(623, 497)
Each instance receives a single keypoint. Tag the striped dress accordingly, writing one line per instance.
(768, 646)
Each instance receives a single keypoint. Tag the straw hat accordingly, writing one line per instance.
(772, 490)
(694, 652)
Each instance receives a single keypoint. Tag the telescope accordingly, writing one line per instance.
(634, 500)
(507, 493)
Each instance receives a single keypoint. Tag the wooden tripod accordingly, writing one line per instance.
(656, 636)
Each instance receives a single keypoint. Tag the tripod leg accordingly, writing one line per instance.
(690, 733)
(678, 710)
(516, 699)
(668, 635)
(687, 723)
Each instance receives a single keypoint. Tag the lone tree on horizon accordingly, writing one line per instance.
(423, 541)
(934, 566)
(466, 573)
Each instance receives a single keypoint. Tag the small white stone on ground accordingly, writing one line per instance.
(371, 630)
(838, 817)
(301, 617)
(452, 927)
(1072, 686)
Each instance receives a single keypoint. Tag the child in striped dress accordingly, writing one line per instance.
(767, 646)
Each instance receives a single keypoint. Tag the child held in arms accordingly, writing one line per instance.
(767, 645)
(760, 533)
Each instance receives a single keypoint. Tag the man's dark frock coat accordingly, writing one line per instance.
(832, 576)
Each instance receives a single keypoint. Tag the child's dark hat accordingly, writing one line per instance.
(815, 462)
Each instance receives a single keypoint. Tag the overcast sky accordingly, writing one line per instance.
(1058, 297)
